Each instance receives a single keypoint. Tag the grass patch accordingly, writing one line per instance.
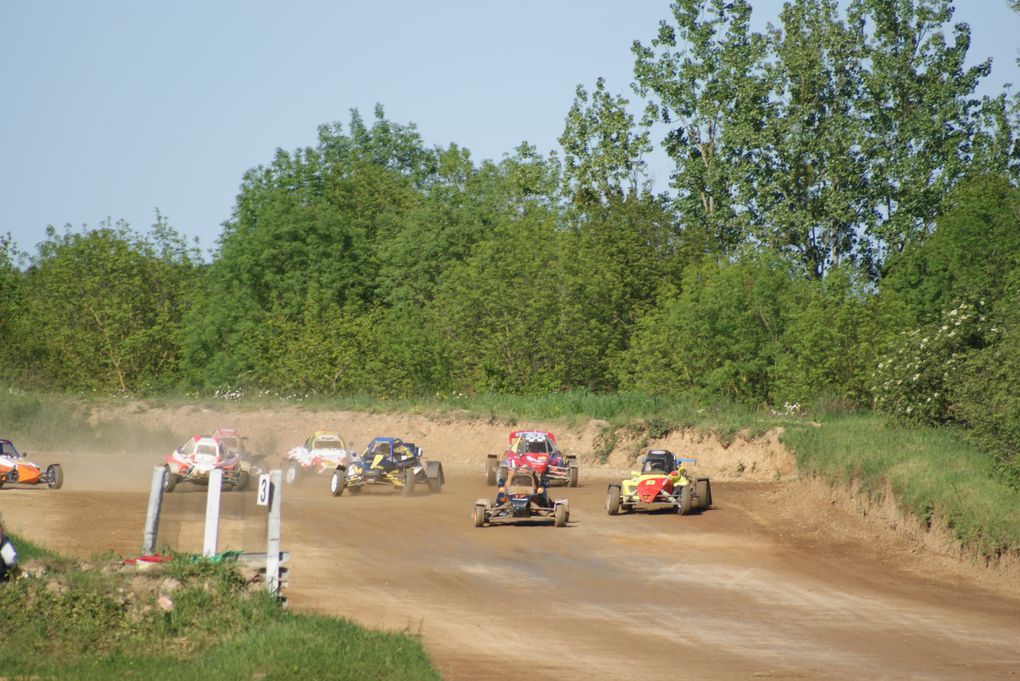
(99, 620)
(29, 551)
(935, 474)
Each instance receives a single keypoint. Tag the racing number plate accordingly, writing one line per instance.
(263, 496)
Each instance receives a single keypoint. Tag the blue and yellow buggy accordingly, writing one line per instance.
(391, 462)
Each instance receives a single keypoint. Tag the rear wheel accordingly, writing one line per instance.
(170, 480)
(408, 489)
(56, 476)
(560, 515)
(337, 483)
(686, 500)
(292, 472)
(491, 465)
(613, 501)
(478, 515)
(572, 472)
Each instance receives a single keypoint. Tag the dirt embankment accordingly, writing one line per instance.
(463, 439)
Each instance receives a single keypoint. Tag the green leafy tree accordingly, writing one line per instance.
(311, 221)
(836, 139)
(703, 76)
(719, 334)
(921, 111)
(498, 311)
(827, 351)
(623, 240)
(603, 151)
(810, 198)
(986, 395)
(103, 309)
(10, 306)
(457, 210)
(968, 257)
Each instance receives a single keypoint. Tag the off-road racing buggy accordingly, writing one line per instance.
(197, 458)
(662, 481)
(236, 444)
(16, 468)
(521, 496)
(391, 462)
(562, 469)
(323, 452)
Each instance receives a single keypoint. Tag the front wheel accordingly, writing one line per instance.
(55, 474)
(572, 475)
(242, 481)
(337, 483)
(491, 465)
(478, 515)
(560, 515)
(613, 501)
(170, 480)
(684, 507)
(408, 488)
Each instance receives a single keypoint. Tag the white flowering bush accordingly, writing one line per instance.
(917, 373)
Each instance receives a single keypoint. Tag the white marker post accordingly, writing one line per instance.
(152, 515)
(212, 512)
(273, 532)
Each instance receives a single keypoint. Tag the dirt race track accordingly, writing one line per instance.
(771, 583)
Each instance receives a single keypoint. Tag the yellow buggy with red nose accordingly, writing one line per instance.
(662, 482)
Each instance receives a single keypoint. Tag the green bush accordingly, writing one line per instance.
(986, 398)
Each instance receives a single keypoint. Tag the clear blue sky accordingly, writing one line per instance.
(111, 109)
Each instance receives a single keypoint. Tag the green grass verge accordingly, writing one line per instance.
(99, 620)
(934, 474)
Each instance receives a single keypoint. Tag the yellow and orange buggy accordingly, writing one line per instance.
(662, 481)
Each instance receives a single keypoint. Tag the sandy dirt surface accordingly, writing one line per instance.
(776, 581)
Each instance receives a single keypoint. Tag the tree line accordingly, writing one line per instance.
(841, 226)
